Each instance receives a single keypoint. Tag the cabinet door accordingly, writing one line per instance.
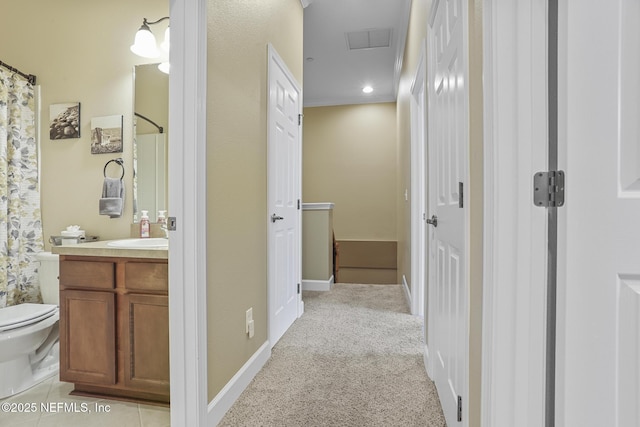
(87, 337)
(146, 342)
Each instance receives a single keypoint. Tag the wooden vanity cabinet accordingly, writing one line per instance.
(114, 327)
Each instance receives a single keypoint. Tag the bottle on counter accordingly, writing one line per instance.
(162, 218)
(144, 224)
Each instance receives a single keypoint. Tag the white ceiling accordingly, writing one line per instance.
(336, 75)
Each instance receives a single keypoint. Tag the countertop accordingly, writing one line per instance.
(102, 250)
(326, 206)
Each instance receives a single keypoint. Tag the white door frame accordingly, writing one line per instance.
(418, 186)
(515, 245)
(187, 199)
(273, 55)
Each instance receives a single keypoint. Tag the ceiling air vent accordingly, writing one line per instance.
(369, 39)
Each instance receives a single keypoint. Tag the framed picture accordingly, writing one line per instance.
(64, 121)
(106, 134)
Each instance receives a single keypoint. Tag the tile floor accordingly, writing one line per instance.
(55, 407)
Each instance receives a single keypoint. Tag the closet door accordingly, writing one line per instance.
(599, 275)
(448, 145)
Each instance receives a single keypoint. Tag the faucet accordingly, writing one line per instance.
(166, 230)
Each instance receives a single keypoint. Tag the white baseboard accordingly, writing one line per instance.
(427, 362)
(407, 291)
(317, 285)
(234, 388)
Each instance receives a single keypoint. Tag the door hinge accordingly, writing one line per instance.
(298, 288)
(298, 204)
(461, 194)
(459, 408)
(300, 116)
(548, 189)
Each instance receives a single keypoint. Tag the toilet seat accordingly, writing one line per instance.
(17, 316)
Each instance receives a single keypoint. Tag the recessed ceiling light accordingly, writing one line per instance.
(367, 89)
(309, 59)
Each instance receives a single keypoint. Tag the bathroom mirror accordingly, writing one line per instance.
(150, 140)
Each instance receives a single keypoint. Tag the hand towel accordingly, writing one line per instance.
(112, 201)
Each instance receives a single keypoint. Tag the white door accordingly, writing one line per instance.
(448, 145)
(284, 163)
(599, 265)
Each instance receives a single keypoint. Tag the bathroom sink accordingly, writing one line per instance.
(146, 243)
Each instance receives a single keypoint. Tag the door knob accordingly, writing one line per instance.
(433, 221)
(275, 218)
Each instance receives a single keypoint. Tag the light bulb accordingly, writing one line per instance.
(166, 43)
(145, 43)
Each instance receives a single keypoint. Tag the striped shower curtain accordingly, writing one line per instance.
(20, 220)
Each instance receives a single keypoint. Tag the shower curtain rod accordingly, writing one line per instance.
(30, 77)
(160, 129)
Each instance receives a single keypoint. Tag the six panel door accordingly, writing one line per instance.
(448, 146)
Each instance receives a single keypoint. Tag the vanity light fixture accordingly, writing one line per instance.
(145, 44)
(165, 44)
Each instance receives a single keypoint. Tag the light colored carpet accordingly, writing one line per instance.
(353, 359)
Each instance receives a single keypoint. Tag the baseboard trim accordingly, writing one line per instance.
(427, 362)
(223, 401)
(407, 291)
(317, 285)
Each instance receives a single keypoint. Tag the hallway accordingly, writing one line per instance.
(353, 359)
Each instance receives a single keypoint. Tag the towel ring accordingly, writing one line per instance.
(119, 161)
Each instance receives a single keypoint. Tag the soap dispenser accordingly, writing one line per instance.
(162, 217)
(144, 224)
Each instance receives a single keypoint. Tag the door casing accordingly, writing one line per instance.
(188, 199)
(515, 243)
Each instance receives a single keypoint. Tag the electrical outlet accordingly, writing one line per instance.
(249, 319)
(251, 330)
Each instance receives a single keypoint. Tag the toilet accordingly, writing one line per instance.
(29, 349)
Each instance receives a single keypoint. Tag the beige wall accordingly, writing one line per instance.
(476, 206)
(237, 174)
(415, 39)
(349, 158)
(79, 51)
